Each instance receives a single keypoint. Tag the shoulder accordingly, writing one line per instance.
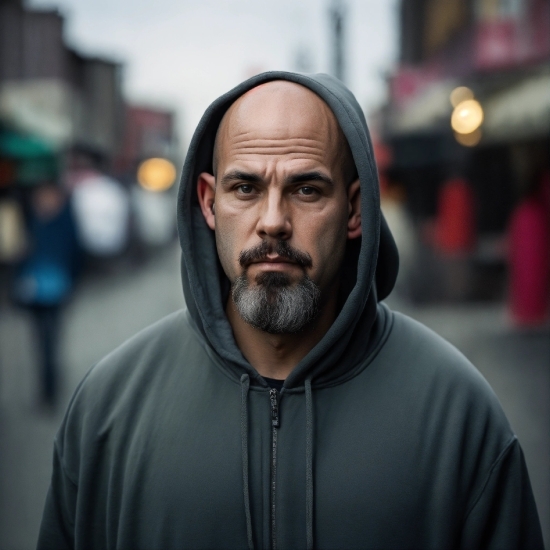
(168, 340)
(159, 343)
(154, 361)
(425, 355)
(442, 398)
(440, 385)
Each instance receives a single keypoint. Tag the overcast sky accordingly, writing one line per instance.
(185, 53)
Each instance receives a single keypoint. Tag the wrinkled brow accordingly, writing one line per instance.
(304, 177)
(238, 175)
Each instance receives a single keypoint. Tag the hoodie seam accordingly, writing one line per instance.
(62, 464)
(497, 461)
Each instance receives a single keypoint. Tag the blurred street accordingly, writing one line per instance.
(108, 309)
(105, 311)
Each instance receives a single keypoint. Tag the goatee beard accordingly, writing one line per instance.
(275, 304)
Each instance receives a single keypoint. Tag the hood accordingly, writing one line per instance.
(371, 262)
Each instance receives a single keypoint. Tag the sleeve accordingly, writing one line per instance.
(503, 515)
(57, 527)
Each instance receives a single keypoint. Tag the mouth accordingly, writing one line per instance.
(274, 257)
(273, 260)
(273, 264)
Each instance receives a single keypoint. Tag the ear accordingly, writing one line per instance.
(354, 210)
(206, 191)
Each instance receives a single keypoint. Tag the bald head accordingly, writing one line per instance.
(280, 109)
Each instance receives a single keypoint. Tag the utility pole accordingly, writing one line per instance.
(337, 22)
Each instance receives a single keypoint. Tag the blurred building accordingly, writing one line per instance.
(468, 125)
(50, 91)
(63, 117)
(148, 132)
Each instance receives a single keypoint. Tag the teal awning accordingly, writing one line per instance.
(23, 147)
(33, 158)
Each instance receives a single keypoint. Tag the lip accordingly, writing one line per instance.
(275, 264)
(274, 261)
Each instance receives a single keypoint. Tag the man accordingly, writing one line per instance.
(286, 407)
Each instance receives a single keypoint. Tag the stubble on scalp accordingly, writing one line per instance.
(348, 169)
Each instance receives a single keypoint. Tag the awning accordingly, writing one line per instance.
(520, 112)
(42, 107)
(17, 146)
(425, 113)
(34, 159)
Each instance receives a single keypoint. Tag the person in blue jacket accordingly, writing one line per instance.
(45, 278)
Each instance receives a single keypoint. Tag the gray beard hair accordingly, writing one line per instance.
(275, 305)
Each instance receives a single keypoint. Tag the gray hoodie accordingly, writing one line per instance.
(383, 436)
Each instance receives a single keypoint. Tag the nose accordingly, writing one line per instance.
(274, 219)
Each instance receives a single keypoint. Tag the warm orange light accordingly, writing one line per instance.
(469, 140)
(460, 94)
(156, 174)
(467, 117)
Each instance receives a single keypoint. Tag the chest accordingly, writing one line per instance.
(187, 477)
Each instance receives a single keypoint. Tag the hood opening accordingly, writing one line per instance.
(371, 261)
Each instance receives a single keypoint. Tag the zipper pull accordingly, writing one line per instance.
(273, 397)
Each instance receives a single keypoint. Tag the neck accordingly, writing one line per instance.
(276, 355)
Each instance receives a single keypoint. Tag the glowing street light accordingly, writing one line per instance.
(460, 94)
(467, 117)
(156, 174)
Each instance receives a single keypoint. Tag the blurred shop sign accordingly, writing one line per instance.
(522, 111)
(409, 82)
(41, 107)
(511, 33)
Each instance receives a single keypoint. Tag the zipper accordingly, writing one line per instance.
(274, 403)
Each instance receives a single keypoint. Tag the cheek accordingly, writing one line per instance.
(225, 245)
(231, 239)
(327, 238)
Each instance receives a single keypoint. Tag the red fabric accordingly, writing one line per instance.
(529, 263)
(455, 224)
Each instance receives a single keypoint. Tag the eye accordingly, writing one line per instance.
(245, 189)
(307, 191)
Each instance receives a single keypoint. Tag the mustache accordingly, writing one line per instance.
(259, 253)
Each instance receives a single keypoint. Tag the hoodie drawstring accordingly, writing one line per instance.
(309, 466)
(245, 385)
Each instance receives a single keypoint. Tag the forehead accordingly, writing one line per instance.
(275, 118)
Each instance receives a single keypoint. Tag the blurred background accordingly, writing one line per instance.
(98, 101)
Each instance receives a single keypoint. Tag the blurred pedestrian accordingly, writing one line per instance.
(12, 239)
(102, 208)
(45, 278)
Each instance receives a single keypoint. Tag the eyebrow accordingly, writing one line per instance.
(238, 175)
(310, 176)
(304, 177)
